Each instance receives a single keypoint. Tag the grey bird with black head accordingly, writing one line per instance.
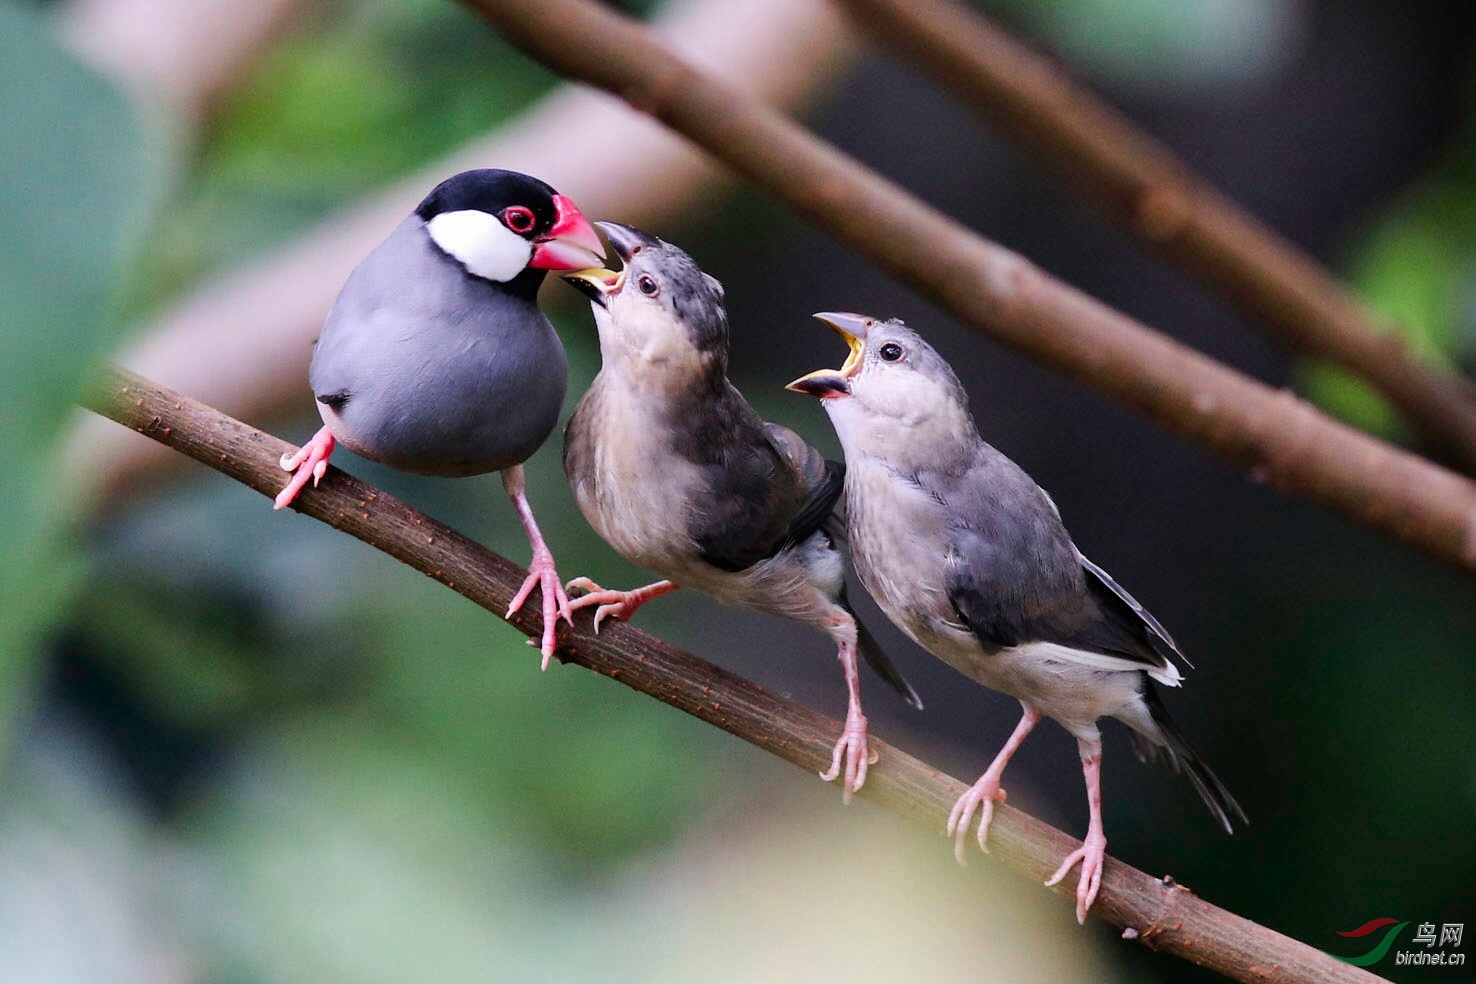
(969, 557)
(435, 358)
(677, 472)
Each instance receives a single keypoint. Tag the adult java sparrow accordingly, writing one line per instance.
(676, 471)
(968, 556)
(435, 358)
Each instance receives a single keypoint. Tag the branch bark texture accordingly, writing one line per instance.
(1160, 913)
(1152, 195)
(1282, 439)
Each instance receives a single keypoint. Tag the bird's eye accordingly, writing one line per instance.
(518, 219)
(890, 352)
(647, 285)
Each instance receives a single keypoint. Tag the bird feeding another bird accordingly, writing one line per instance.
(676, 471)
(435, 358)
(969, 557)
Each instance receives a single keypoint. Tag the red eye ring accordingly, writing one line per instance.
(518, 219)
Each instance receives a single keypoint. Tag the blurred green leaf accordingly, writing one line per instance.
(1209, 43)
(456, 681)
(1415, 272)
(77, 173)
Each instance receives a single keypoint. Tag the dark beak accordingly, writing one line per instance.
(824, 383)
(837, 382)
(626, 240)
(595, 283)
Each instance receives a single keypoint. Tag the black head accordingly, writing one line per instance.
(508, 227)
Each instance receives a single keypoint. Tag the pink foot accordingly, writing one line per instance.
(987, 792)
(1093, 849)
(308, 462)
(541, 572)
(853, 749)
(1091, 854)
(543, 575)
(613, 604)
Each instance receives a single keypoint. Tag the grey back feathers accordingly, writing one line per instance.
(1015, 576)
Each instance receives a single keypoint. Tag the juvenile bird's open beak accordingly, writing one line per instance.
(596, 283)
(830, 383)
(571, 243)
(625, 240)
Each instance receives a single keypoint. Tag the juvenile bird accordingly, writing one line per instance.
(677, 472)
(435, 358)
(968, 556)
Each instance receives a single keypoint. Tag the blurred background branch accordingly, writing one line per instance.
(1163, 915)
(1283, 440)
(1150, 194)
(178, 56)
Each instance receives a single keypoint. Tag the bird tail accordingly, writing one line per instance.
(876, 657)
(1183, 760)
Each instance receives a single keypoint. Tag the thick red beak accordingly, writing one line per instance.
(570, 244)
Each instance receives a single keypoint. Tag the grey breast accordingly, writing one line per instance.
(430, 370)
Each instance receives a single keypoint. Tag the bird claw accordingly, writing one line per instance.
(543, 575)
(309, 462)
(612, 603)
(1092, 853)
(985, 792)
(858, 756)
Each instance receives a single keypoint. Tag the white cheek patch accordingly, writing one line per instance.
(481, 243)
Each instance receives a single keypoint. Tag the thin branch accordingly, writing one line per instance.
(1163, 915)
(1282, 439)
(1148, 192)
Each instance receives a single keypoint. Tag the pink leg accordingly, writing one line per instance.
(852, 745)
(614, 604)
(1093, 850)
(986, 790)
(541, 571)
(308, 462)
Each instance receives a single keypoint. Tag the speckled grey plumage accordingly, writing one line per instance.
(432, 370)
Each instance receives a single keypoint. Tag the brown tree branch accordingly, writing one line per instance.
(1282, 439)
(1152, 195)
(1162, 914)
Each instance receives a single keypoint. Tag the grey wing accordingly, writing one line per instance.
(1129, 613)
(1015, 577)
(759, 500)
(999, 596)
(362, 316)
(823, 480)
(334, 367)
